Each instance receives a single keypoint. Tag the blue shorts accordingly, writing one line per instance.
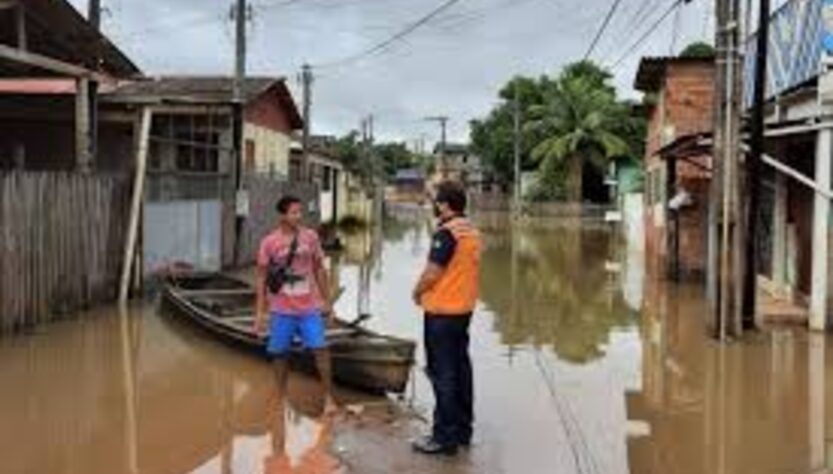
(283, 329)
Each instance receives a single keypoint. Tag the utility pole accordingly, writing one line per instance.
(90, 142)
(94, 13)
(240, 15)
(725, 256)
(715, 185)
(306, 79)
(737, 222)
(753, 161)
(517, 147)
(443, 121)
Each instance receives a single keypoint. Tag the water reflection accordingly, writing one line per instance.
(312, 459)
(140, 394)
(552, 288)
(751, 407)
(582, 366)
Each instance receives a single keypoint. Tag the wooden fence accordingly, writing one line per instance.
(61, 244)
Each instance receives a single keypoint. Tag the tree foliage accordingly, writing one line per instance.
(569, 122)
(377, 160)
(698, 50)
(492, 138)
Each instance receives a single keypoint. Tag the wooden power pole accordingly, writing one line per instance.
(724, 236)
(516, 109)
(240, 15)
(443, 121)
(94, 17)
(753, 167)
(306, 80)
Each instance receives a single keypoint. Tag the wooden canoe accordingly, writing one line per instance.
(224, 307)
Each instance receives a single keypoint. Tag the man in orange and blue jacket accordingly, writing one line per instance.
(448, 291)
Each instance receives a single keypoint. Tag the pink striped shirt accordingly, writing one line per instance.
(303, 296)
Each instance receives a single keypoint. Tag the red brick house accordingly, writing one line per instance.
(680, 97)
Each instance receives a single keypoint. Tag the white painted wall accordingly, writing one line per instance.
(271, 149)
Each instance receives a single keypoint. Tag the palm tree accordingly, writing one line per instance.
(582, 123)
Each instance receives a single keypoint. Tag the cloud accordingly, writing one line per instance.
(453, 66)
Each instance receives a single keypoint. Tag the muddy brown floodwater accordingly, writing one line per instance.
(583, 365)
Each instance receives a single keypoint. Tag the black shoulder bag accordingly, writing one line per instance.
(277, 275)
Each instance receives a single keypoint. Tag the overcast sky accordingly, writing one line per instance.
(452, 66)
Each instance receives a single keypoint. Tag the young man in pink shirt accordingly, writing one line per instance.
(293, 295)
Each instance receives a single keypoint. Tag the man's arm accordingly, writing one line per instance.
(322, 279)
(443, 246)
(430, 276)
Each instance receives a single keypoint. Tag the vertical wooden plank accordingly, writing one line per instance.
(18, 310)
(25, 253)
(82, 125)
(20, 20)
(136, 203)
(5, 233)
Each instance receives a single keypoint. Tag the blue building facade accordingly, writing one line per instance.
(796, 46)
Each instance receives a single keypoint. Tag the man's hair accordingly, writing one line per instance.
(286, 202)
(452, 194)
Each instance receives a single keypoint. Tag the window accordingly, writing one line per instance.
(198, 151)
(250, 163)
(327, 181)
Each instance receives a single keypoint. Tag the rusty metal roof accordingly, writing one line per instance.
(203, 90)
(199, 89)
(57, 30)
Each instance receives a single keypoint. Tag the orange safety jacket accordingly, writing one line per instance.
(457, 290)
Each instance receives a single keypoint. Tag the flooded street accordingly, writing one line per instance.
(582, 365)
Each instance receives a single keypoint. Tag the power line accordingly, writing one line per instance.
(602, 29)
(393, 39)
(675, 32)
(202, 19)
(632, 48)
(634, 21)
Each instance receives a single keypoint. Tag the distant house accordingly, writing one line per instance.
(676, 183)
(409, 185)
(457, 162)
(342, 194)
(329, 177)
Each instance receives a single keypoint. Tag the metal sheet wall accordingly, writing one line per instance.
(795, 48)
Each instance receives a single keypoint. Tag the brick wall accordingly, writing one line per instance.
(689, 97)
(268, 112)
(684, 106)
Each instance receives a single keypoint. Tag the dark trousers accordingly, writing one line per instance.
(449, 368)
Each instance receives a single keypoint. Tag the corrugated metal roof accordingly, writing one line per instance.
(57, 30)
(193, 88)
(203, 90)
